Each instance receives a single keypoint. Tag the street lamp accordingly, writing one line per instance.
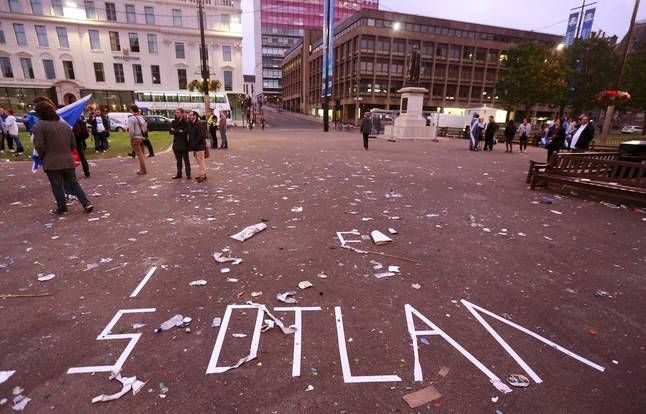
(397, 26)
(560, 47)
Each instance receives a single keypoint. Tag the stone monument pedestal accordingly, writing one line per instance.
(410, 124)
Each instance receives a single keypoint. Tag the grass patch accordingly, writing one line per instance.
(119, 145)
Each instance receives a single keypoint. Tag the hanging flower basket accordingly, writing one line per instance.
(609, 98)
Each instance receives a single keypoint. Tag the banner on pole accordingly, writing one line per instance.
(328, 47)
(571, 29)
(588, 19)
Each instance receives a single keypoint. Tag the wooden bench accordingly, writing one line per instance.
(599, 176)
(536, 167)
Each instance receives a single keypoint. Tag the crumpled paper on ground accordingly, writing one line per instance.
(249, 232)
(128, 384)
(4, 375)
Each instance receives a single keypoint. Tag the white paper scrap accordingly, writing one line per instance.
(249, 232)
(4, 375)
(380, 238)
(286, 297)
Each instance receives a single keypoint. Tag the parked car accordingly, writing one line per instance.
(157, 123)
(117, 125)
(632, 129)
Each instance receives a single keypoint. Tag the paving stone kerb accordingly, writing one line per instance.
(535, 267)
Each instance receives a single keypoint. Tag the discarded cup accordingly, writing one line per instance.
(518, 380)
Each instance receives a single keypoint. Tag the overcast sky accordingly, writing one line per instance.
(550, 16)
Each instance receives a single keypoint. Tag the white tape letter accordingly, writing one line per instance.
(105, 335)
(298, 335)
(345, 362)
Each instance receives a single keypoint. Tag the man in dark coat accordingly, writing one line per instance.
(583, 136)
(197, 143)
(366, 129)
(81, 134)
(179, 130)
(490, 133)
(100, 131)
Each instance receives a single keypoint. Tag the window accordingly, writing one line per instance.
(441, 51)
(90, 10)
(68, 68)
(181, 78)
(177, 17)
(36, 7)
(63, 41)
(95, 41)
(134, 42)
(57, 7)
(152, 44)
(50, 72)
(111, 12)
(2, 38)
(179, 50)
(137, 72)
(480, 54)
(150, 14)
(225, 22)
(228, 80)
(99, 73)
(118, 73)
(5, 66)
(131, 16)
(226, 53)
(383, 45)
(399, 46)
(455, 51)
(155, 74)
(41, 34)
(115, 43)
(367, 43)
(27, 68)
(493, 56)
(19, 31)
(15, 6)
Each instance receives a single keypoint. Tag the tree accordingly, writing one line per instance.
(593, 64)
(634, 81)
(534, 75)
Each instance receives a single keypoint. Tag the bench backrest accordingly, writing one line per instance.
(621, 172)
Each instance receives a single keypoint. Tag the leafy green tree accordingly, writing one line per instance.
(634, 80)
(534, 75)
(593, 63)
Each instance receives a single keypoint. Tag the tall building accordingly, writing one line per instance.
(460, 63)
(121, 51)
(279, 25)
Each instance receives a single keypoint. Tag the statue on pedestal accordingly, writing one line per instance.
(413, 68)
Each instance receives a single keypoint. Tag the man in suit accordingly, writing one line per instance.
(583, 136)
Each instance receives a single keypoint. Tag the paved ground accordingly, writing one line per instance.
(468, 218)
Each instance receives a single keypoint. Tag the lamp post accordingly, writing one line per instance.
(203, 57)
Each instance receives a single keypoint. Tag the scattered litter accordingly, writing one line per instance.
(416, 286)
(176, 321)
(93, 219)
(376, 265)
(239, 335)
(5, 375)
(486, 230)
(522, 234)
(379, 238)
(556, 212)
(20, 402)
(45, 278)
(614, 361)
(392, 231)
(309, 388)
(286, 296)
(322, 275)
(128, 384)
(494, 399)
(305, 284)
(392, 194)
(91, 266)
(138, 325)
(18, 390)
(421, 397)
(249, 232)
(547, 200)
(425, 341)
(602, 294)
(366, 219)
(216, 322)
(548, 238)
(200, 282)
(232, 280)
(501, 386)
(384, 274)
(518, 380)
(443, 372)
(394, 269)
(297, 209)
(570, 290)
(256, 294)
(225, 270)
(219, 257)
(432, 215)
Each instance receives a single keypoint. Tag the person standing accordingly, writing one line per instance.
(490, 134)
(197, 144)
(80, 135)
(11, 128)
(366, 129)
(212, 125)
(583, 135)
(558, 140)
(524, 130)
(223, 130)
(179, 130)
(54, 141)
(138, 129)
(472, 133)
(510, 132)
(4, 134)
(100, 131)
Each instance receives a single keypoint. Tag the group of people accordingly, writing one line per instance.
(561, 134)
(9, 132)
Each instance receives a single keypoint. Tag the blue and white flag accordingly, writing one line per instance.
(72, 112)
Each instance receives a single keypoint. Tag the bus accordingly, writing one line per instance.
(165, 103)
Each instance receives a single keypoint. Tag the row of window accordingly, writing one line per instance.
(95, 41)
(110, 10)
(28, 69)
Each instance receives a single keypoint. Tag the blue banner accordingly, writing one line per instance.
(328, 47)
(588, 18)
(571, 29)
(72, 112)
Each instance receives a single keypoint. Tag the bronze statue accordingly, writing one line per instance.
(412, 69)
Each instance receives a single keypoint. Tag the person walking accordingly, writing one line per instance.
(80, 135)
(223, 130)
(54, 141)
(366, 129)
(11, 128)
(558, 140)
(490, 134)
(179, 130)
(524, 130)
(197, 144)
(100, 131)
(212, 125)
(510, 132)
(138, 130)
(583, 136)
